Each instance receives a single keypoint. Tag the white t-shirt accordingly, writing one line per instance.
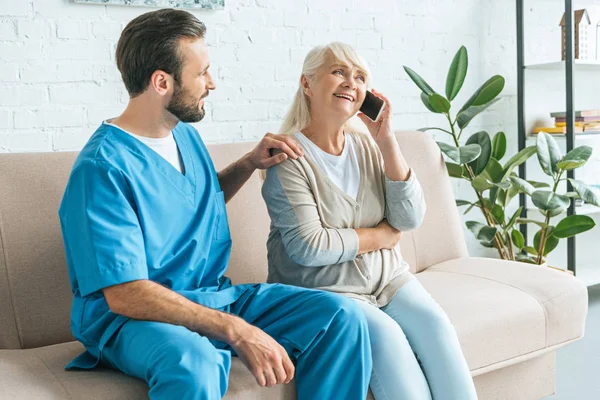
(165, 147)
(343, 170)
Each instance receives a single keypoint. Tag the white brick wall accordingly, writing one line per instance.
(59, 75)
(58, 78)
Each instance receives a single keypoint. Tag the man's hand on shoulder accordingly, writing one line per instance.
(260, 157)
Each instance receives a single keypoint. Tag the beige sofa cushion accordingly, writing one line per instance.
(39, 374)
(505, 310)
(33, 269)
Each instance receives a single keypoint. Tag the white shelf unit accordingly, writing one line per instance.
(579, 65)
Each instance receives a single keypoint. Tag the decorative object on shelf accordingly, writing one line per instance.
(210, 4)
(582, 22)
(478, 162)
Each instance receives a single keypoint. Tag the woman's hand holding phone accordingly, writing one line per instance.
(381, 129)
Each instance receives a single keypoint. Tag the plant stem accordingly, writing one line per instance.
(486, 213)
(543, 238)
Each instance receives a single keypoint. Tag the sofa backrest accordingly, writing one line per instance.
(35, 296)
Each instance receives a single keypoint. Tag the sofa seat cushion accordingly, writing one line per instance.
(503, 309)
(39, 374)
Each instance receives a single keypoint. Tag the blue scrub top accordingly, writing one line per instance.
(128, 214)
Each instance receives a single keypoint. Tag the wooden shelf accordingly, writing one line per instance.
(585, 209)
(580, 65)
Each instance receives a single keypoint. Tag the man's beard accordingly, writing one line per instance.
(184, 111)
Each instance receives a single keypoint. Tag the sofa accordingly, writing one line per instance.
(510, 317)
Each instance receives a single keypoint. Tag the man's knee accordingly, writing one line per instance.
(196, 366)
(344, 311)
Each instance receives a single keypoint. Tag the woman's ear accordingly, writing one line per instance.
(305, 85)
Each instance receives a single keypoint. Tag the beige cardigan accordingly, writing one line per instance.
(312, 242)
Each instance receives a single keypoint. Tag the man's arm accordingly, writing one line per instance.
(149, 301)
(232, 178)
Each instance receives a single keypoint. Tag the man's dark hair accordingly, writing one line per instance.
(150, 42)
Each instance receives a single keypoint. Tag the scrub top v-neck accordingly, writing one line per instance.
(127, 214)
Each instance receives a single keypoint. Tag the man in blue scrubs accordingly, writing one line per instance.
(147, 243)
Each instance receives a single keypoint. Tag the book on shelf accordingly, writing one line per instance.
(582, 113)
(578, 119)
(555, 130)
(563, 124)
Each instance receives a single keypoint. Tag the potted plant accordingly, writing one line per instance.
(496, 184)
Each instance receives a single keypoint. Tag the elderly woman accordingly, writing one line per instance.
(337, 214)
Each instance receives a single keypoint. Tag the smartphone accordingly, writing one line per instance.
(372, 106)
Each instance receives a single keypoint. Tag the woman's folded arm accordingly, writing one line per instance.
(404, 203)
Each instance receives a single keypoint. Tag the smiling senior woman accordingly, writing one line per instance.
(337, 214)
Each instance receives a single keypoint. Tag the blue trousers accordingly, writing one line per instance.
(326, 336)
(416, 353)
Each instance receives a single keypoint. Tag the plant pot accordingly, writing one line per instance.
(545, 264)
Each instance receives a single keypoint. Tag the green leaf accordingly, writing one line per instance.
(531, 221)
(464, 117)
(538, 185)
(457, 73)
(531, 250)
(510, 194)
(581, 153)
(460, 203)
(572, 225)
(420, 82)
(491, 244)
(486, 93)
(454, 170)
(439, 103)
(587, 193)
(518, 159)
(499, 145)
(548, 200)
(514, 217)
(575, 158)
(573, 195)
(482, 183)
(556, 211)
(425, 100)
(481, 231)
(494, 170)
(517, 239)
(523, 185)
(461, 155)
(548, 153)
(483, 140)
(568, 165)
(498, 214)
(551, 240)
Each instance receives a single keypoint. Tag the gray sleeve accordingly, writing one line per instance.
(404, 203)
(293, 211)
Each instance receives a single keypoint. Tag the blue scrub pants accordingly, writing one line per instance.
(416, 353)
(326, 336)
